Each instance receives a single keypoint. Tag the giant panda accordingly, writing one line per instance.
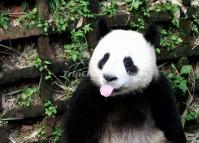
(124, 98)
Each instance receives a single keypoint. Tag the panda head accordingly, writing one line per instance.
(123, 60)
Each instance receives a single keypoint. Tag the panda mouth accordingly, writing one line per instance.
(108, 90)
(116, 89)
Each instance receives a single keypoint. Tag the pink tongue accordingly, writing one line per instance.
(106, 90)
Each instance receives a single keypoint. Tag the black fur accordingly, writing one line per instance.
(131, 69)
(88, 110)
(109, 77)
(102, 28)
(152, 35)
(103, 60)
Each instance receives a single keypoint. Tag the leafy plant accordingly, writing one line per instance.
(170, 40)
(58, 8)
(139, 24)
(57, 133)
(55, 4)
(38, 63)
(183, 79)
(25, 99)
(191, 115)
(110, 8)
(195, 26)
(178, 80)
(64, 12)
(41, 132)
(79, 8)
(4, 19)
(171, 9)
(186, 69)
(79, 43)
(50, 109)
(29, 19)
(142, 11)
(43, 24)
(41, 66)
(133, 4)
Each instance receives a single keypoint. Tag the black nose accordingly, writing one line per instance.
(109, 78)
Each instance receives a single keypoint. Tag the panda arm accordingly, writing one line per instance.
(83, 115)
(165, 111)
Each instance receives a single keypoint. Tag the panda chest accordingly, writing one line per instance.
(120, 128)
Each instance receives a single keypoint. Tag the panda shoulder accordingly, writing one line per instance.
(85, 90)
(163, 81)
(85, 86)
(162, 86)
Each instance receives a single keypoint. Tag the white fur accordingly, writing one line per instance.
(134, 136)
(120, 44)
(147, 133)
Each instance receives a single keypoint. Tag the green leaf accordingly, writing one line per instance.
(47, 77)
(183, 86)
(45, 29)
(39, 25)
(191, 115)
(41, 69)
(47, 62)
(136, 5)
(158, 50)
(34, 10)
(50, 109)
(67, 46)
(186, 69)
(180, 40)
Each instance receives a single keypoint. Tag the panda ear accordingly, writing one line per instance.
(102, 28)
(152, 35)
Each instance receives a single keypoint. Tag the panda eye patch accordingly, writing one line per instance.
(103, 60)
(129, 66)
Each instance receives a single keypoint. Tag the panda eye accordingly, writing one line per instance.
(129, 66)
(103, 60)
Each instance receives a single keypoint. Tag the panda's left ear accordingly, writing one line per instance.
(102, 28)
(152, 35)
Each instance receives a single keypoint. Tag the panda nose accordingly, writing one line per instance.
(109, 78)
